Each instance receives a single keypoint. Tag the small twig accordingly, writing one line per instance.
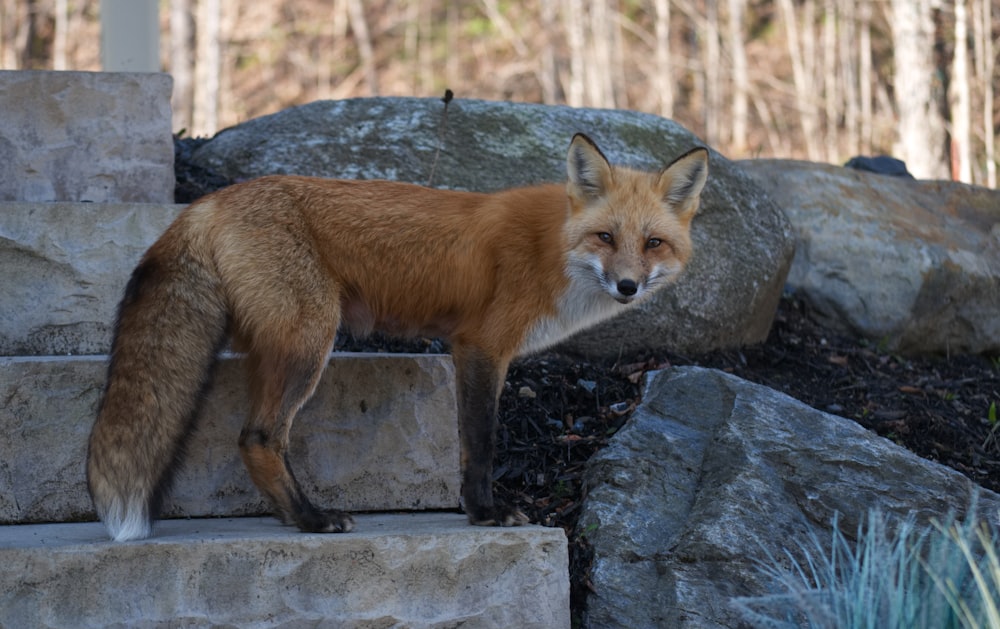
(448, 96)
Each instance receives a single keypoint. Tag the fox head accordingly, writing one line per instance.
(630, 231)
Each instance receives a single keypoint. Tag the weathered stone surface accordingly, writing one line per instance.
(418, 570)
(380, 434)
(85, 136)
(743, 242)
(711, 473)
(912, 265)
(65, 266)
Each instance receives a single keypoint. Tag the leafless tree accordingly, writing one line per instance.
(865, 74)
(359, 26)
(59, 41)
(799, 50)
(985, 72)
(663, 80)
(741, 82)
(848, 77)
(960, 100)
(574, 25)
(205, 117)
(831, 88)
(809, 79)
(920, 131)
(182, 63)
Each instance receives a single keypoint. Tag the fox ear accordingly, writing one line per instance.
(589, 171)
(683, 180)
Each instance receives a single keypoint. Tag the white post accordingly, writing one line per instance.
(130, 36)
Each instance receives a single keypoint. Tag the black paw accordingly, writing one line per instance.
(331, 521)
(497, 515)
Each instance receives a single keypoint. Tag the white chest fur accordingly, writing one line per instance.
(582, 305)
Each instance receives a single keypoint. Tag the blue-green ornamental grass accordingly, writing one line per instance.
(898, 575)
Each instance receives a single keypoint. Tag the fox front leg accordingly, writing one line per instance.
(479, 381)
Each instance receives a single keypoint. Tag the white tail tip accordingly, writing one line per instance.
(127, 522)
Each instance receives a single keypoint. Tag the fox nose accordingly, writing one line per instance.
(627, 287)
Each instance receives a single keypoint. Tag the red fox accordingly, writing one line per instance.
(279, 263)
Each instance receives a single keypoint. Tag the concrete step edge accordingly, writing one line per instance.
(414, 570)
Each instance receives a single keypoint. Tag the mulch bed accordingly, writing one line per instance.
(554, 418)
(556, 411)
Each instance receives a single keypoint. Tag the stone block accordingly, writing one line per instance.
(86, 136)
(380, 434)
(65, 266)
(414, 570)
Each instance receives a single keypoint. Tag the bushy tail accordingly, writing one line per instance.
(171, 323)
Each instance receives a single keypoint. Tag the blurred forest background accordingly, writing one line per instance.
(814, 79)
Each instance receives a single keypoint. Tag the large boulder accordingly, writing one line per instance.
(743, 243)
(911, 265)
(713, 473)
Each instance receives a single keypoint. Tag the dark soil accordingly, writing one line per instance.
(557, 411)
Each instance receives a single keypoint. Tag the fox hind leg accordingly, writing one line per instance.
(283, 375)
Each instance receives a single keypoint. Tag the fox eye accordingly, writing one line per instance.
(653, 243)
(605, 237)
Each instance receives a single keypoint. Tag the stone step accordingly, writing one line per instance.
(379, 435)
(86, 136)
(65, 266)
(410, 570)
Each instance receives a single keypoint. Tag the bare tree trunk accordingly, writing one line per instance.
(800, 55)
(663, 81)
(335, 31)
(575, 38)
(808, 43)
(960, 100)
(5, 20)
(985, 62)
(549, 74)
(865, 74)
(411, 42)
(59, 38)
(713, 61)
(182, 63)
(831, 93)
(426, 43)
(619, 85)
(359, 26)
(920, 130)
(740, 110)
(20, 34)
(452, 57)
(849, 76)
(13, 19)
(205, 119)
(600, 84)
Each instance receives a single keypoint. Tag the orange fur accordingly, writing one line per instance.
(280, 262)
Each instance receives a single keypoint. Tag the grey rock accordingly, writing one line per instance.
(418, 570)
(380, 434)
(743, 243)
(85, 136)
(911, 265)
(65, 266)
(713, 472)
